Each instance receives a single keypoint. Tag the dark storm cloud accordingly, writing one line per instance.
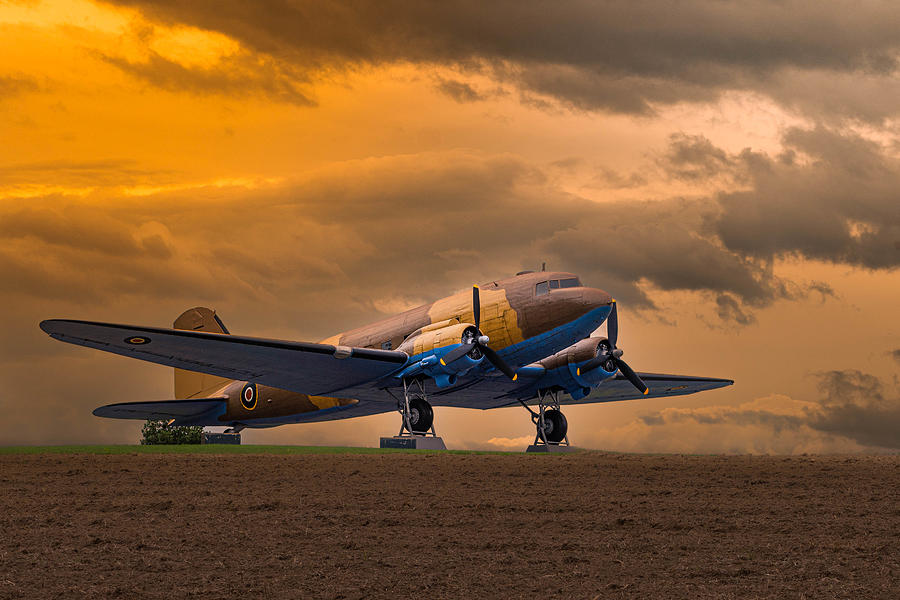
(620, 56)
(855, 405)
(346, 245)
(851, 404)
(828, 196)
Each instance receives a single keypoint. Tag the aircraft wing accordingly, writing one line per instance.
(202, 411)
(317, 369)
(498, 392)
(619, 388)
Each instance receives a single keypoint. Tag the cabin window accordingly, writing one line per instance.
(542, 288)
(570, 283)
(554, 284)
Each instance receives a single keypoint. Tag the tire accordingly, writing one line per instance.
(421, 415)
(555, 426)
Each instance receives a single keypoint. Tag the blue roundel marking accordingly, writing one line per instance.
(248, 396)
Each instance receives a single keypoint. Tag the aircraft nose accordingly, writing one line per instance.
(594, 298)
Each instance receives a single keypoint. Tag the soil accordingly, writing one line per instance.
(587, 525)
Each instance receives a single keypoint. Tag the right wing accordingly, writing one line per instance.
(306, 368)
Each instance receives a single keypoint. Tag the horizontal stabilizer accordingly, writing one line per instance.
(202, 411)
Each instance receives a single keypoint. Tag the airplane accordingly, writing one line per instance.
(522, 340)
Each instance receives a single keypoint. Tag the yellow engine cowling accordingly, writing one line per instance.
(435, 336)
(428, 345)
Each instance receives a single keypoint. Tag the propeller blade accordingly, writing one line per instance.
(592, 364)
(498, 362)
(476, 306)
(457, 353)
(612, 325)
(631, 376)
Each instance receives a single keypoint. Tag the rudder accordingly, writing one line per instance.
(190, 384)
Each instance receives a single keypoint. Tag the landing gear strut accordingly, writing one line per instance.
(417, 414)
(417, 424)
(552, 427)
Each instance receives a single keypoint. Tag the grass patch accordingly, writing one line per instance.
(224, 449)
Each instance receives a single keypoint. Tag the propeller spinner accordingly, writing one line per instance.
(613, 355)
(480, 342)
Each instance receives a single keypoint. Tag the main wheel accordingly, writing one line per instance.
(555, 426)
(421, 415)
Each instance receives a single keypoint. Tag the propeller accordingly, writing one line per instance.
(478, 341)
(613, 356)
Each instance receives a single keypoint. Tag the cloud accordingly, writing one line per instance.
(855, 405)
(458, 90)
(238, 75)
(88, 173)
(829, 196)
(619, 56)
(11, 85)
(367, 229)
(851, 414)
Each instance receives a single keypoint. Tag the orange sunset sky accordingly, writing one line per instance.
(730, 172)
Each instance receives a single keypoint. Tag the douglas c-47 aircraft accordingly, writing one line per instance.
(523, 340)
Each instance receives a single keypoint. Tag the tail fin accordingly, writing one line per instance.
(189, 384)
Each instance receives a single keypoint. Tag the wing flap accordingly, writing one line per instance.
(317, 369)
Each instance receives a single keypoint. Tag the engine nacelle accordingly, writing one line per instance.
(564, 366)
(429, 344)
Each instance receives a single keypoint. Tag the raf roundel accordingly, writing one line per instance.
(137, 340)
(248, 396)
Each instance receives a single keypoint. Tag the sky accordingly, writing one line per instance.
(730, 172)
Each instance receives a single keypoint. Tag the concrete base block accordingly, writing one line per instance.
(417, 442)
(220, 438)
(550, 448)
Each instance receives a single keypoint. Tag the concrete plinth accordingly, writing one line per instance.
(220, 438)
(550, 448)
(417, 442)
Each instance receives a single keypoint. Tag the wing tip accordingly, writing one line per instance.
(47, 325)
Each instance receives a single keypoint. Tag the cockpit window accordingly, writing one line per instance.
(570, 283)
(542, 288)
(554, 284)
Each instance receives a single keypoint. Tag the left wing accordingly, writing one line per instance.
(306, 368)
(203, 411)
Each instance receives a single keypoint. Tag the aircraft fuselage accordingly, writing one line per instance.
(527, 317)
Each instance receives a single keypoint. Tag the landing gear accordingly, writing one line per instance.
(418, 416)
(417, 424)
(421, 416)
(552, 427)
(555, 427)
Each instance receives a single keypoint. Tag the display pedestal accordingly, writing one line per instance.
(220, 438)
(414, 442)
(550, 448)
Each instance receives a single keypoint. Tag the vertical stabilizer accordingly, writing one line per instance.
(189, 384)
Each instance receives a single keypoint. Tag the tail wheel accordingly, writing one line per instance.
(421, 415)
(555, 426)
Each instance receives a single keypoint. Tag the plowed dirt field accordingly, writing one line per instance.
(448, 526)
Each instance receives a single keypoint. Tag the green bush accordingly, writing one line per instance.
(160, 432)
